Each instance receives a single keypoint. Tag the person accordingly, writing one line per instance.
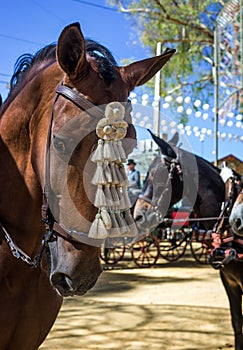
(133, 175)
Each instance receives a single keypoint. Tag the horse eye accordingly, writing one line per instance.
(59, 145)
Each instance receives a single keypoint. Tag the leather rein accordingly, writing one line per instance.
(53, 228)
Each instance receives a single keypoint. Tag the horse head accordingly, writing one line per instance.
(50, 127)
(163, 185)
(236, 216)
(176, 174)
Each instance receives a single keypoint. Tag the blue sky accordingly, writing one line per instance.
(26, 26)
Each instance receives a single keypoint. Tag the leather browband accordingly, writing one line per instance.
(79, 100)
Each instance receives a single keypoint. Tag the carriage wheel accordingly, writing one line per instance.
(200, 247)
(145, 253)
(112, 252)
(173, 244)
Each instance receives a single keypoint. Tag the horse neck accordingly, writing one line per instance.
(211, 191)
(23, 129)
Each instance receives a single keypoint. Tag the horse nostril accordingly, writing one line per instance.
(138, 218)
(61, 282)
(238, 222)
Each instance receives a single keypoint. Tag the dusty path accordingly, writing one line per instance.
(178, 306)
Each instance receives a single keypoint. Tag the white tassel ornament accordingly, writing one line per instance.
(111, 198)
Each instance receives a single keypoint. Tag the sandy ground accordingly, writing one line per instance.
(171, 306)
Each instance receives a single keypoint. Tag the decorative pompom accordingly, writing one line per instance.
(133, 231)
(98, 155)
(121, 223)
(115, 180)
(110, 177)
(121, 174)
(108, 197)
(116, 196)
(108, 152)
(100, 175)
(100, 199)
(97, 229)
(114, 111)
(121, 151)
(108, 173)
(116, 152)
(226, 173)
(115, 229)
(105, 216)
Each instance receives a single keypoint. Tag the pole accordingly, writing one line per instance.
(157, 96)
(216, 95)
(241, 41)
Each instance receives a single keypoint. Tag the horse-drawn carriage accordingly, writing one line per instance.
(169, 240)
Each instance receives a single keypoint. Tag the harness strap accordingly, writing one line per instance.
(79, 100)
(221, 255)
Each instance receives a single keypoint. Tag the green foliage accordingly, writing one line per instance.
(186, 25)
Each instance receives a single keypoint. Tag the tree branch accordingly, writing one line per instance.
(205, 79)
(199, 28)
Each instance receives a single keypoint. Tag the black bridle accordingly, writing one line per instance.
(174, 168)
(53, 228)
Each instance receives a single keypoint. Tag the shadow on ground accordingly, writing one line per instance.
(92, 325)
(167, 307)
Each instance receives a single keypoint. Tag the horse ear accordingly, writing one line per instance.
(138, 73)
(71, 52)
(174, 140)
(165, 148)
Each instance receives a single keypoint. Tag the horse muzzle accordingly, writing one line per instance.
(66, 286)
(236, 220)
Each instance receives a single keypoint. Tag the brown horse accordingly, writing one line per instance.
(49, 91)
(236, 216)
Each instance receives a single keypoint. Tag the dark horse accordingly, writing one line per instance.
(48, 91)
(175, 174)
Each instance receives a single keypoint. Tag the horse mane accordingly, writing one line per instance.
(101, 54)
(104, 58)
(27, 66)
(26, 61)
(208, 163)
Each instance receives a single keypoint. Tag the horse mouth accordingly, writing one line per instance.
(66, 287)
(237, 226)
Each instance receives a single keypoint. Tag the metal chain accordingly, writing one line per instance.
(20, 254)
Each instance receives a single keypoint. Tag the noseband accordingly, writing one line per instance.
(53, 228)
